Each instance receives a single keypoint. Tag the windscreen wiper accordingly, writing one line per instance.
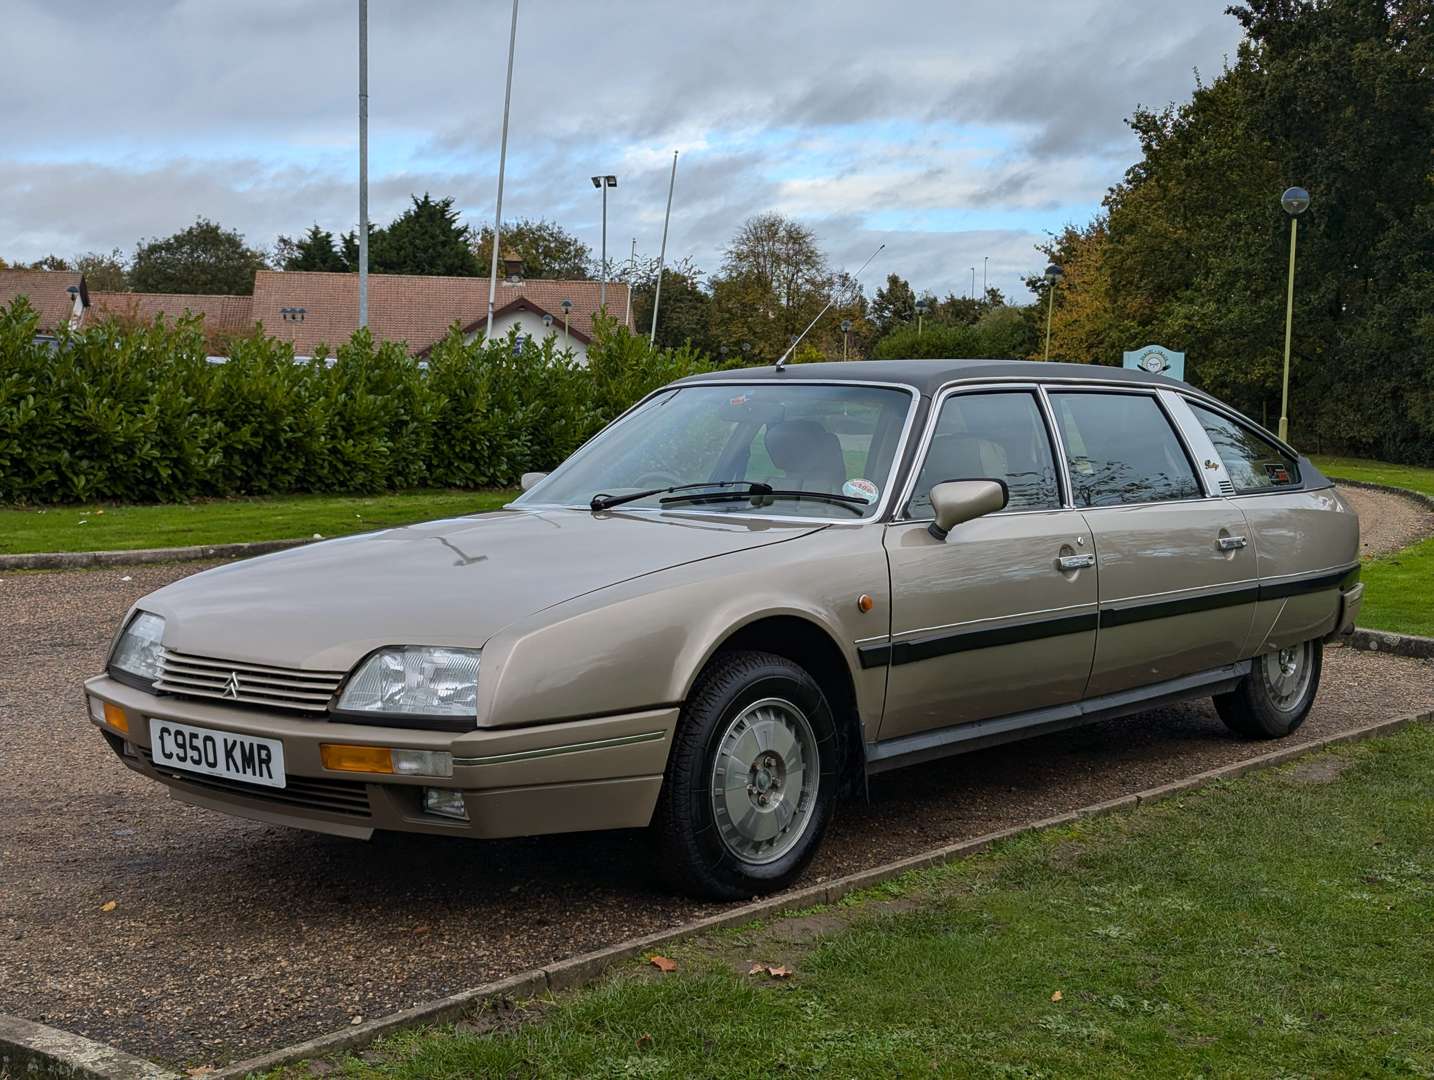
(764, 494)
(602, 501)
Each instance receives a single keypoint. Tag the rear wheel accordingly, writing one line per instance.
(1274, 699)
(750, 781)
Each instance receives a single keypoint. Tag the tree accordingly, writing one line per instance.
(204, 258)
(685, 313)
(49, 262)
(315, 250)
(548, 251)
(427, 238)
(774, 281)
(894, 305)
(104, 273)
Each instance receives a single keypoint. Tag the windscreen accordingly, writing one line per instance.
(834, 440)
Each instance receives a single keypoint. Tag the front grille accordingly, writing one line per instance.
(342, 797)
(249, 684)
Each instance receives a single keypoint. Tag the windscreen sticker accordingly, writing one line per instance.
(1278, 473)
(861, 488)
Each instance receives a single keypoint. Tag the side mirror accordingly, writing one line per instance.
(956, 501)
(530, 479)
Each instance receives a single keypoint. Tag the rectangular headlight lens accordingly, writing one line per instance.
(139, 648)
(415, 680)
(445, 802)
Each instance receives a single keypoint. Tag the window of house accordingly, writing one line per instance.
(1253, 462)
(1121, 449)
(997, 436)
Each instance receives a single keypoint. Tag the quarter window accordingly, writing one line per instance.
(991, 437)
(1121, 450)
(1254, 463)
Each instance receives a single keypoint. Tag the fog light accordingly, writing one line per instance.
(422, 762)
(445, 802)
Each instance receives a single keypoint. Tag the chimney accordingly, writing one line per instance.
(512, 268)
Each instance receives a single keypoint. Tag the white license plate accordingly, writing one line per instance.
(217, 753)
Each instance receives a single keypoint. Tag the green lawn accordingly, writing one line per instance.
(220, 521)
(1272, 926)
(1399, 588)
(1413, 477)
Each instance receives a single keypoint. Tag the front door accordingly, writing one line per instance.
(1000, 617)
(1178, 580)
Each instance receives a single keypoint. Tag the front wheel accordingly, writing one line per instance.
(750, 781)
(1274, 699)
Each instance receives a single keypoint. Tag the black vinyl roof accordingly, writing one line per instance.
(928, 376)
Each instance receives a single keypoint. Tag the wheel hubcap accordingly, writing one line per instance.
(1287, 676)
(764, 780)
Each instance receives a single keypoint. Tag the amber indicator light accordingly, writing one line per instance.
(865, 603)
(115, 718)
(345, 757)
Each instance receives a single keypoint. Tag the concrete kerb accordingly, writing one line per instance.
(582, 970)
(30, 1049)
(85, 560)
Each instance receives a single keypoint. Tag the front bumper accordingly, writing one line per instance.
(568, 776)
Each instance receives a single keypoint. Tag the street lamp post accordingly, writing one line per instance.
(984, 288)
(502, 166)
(845, 336)
(973, 283)
(1053, 274)
(604, 182)
(567, 306)
(1295, 200)
(363, 165)
(920, 311)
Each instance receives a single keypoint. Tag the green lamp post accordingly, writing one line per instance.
(1053, 274)
(1295, 200)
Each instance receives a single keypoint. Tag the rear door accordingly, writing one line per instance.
(1178, 581)
(1000, 617)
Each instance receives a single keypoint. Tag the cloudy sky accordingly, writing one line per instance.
(952, 131)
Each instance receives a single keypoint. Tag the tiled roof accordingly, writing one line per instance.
(224, 316)
(412, 308)
(47, 291)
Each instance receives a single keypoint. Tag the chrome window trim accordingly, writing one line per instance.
(865, 519)
(933, 417)
(1152, 392)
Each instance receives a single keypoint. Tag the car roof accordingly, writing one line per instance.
(928, 376)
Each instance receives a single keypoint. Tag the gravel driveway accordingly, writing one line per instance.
(229, 937)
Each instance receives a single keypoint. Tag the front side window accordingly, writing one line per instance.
(997, 436)
(1121, 449)
(1254, 463)
(808, 438)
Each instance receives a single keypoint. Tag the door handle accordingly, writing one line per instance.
(1075, 562)
(1231, 543)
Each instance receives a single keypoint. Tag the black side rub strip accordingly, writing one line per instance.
(944, 644)
(956, 641)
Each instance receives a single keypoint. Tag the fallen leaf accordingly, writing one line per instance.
(420, 929)
(109, 905)
(200, 1071)
(662, 963)
(98, 512)
(356, 1020)
(1057, 996)
(780, 972)
(756, 969)
(644, 1042)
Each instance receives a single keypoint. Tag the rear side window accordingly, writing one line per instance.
(1121, 450)
(991, 437)
(1253, 462)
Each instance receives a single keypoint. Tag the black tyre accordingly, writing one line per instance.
(1274, 699)
(751, 779)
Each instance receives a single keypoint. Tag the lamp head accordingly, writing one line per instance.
(1295, 200)
(1054, 273)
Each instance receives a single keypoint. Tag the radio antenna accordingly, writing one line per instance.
(782, 363)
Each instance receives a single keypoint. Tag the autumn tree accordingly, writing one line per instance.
(547, 249)
(774, 280)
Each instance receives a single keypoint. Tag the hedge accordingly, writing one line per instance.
(139, 414)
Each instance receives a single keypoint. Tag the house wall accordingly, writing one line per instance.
(532, 325)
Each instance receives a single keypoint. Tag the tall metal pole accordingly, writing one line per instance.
(602, 289)
(1050, 307)
(502, 163)
(363, 165)
(984, 289)
(1289, 325)
(973, 283)
(662, 254)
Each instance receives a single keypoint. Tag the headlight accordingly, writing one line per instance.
(138, 651)
(411, 680)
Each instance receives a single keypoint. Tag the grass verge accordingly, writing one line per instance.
(1398, 588)
(225, 521)
(1272, 926)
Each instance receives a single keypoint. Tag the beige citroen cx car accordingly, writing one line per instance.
(748, 592)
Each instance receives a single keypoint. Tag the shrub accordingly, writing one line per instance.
(136, 413)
